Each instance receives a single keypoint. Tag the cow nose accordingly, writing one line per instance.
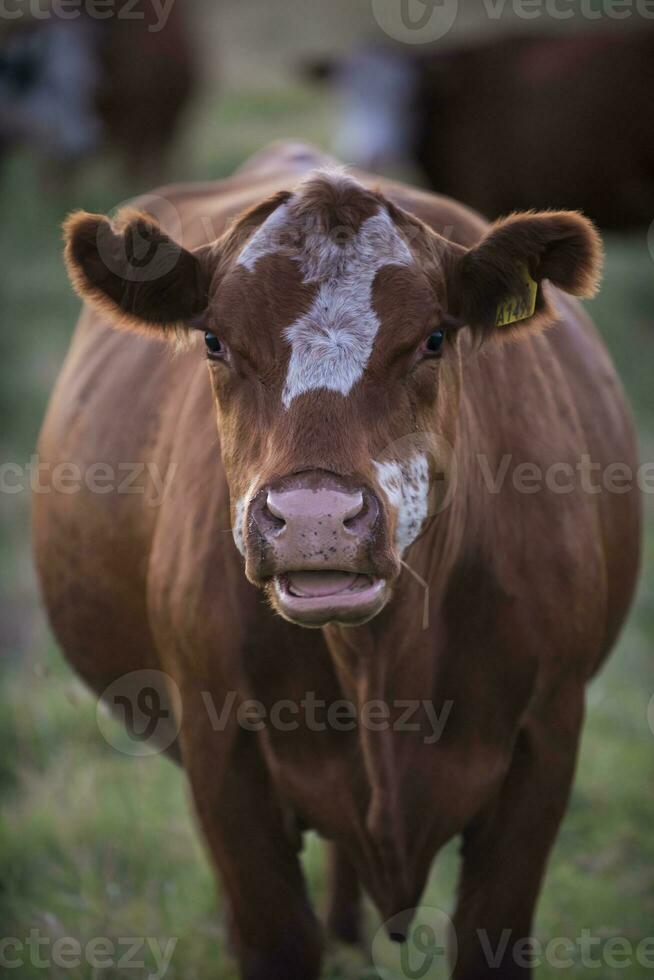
(314, 521)
(331, 506)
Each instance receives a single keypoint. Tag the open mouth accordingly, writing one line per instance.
(318, 598)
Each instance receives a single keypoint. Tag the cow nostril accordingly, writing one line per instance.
(353, 511)
(272, 509)
(272, 517)
(356, 512)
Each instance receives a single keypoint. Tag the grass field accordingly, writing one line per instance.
(95, 843)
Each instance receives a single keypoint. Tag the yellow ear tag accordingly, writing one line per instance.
(516, 308)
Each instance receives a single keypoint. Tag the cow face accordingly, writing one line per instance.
(333, 332)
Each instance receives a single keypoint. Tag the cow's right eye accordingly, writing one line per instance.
(214, 345)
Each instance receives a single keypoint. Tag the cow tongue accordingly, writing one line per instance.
(306, 584)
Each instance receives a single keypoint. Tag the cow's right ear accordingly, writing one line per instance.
(134, 273)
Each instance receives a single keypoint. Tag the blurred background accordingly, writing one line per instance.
(502, 105)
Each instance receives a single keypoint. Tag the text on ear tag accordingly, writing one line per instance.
(515, 308)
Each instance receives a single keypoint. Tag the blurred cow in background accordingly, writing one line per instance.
(70, 87)
(515, 123)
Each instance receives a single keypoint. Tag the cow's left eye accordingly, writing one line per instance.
(434, 344)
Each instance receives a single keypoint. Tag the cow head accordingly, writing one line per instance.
(333, 332)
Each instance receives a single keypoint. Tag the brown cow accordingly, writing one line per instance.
(564, 121)
(118, 80)
(353, 362)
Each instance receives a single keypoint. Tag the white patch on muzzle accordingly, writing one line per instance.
(406, 486)
(237, 529)
(241, 508)
(331, 344)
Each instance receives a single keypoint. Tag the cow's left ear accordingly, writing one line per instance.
(134, 273)
(496, 286)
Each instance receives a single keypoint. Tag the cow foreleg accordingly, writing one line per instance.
(275, 933)
(344, 911)
(505, 854)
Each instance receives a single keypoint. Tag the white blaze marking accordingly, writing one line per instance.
(331, 343)
(406, 485)
(266, 240)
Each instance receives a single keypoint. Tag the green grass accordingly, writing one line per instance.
(95, 843)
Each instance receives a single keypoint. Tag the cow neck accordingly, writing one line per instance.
(394, 657)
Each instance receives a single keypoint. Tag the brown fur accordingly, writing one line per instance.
(334, 205)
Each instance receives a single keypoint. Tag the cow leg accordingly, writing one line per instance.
(276, 935)
(344, 910)
(505, 854)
